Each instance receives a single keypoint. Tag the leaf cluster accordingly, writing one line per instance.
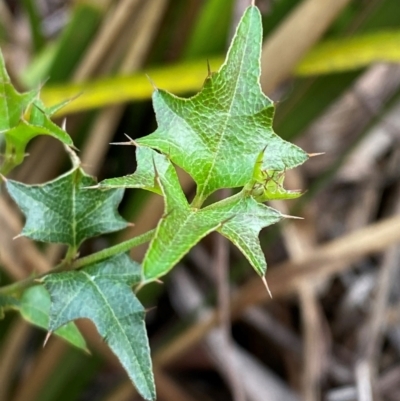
(222, 137)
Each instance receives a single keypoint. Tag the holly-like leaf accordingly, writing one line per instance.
(35, 308)
(65, 211)
(217, 135)
(102, 293)
(239, 217)
(22, 117)
(180, 228)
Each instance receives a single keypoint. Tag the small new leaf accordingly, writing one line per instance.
(22, 117)
(267, 184)
(65, 211)
(102, 293)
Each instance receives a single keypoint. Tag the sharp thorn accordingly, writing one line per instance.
(48, 335)
(208, 67)
(152, 83)
(286, 216)
(264, 280)
(315, 154)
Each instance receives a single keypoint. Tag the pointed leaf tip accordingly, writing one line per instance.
(227, 123)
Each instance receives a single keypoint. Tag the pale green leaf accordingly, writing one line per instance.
(22, 117)
(102, 293)
(239, 218)
(216, 135)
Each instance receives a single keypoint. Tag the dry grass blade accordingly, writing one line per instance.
(321, 263)
(108, 34)
(103, 128)
(10, 354)
(299, 238)
(19, 257)
(169, 389)
(294, 37)
(43, 366)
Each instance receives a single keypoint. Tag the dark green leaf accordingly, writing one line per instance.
(64, 211)
(102, 293)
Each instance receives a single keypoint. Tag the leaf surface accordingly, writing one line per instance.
(22, 117)
(65, 211)
(35, 308)
(217, 135)
(239, 218)
(102, 293)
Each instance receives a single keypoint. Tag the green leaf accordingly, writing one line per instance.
(35, 308)
(239, 218)
(22, 117)
(144, 177)
(267, 184)
(180, 228)
(8, 303)
(244, 228)
(227, 124)
(102, 293)
(65, 211)
(12, 103)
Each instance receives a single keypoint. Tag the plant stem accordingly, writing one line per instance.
(113, 250)
(79, 263)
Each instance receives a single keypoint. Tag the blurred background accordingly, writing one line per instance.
(332, 330)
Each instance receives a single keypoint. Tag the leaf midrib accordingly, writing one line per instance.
(204, 185)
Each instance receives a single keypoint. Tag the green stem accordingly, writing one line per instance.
(197, 201)
(79, 263)
(113, 250)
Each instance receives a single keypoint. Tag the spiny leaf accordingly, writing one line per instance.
(244, 228)
(35, 308)
(102, 293)
(216, 135)
(182, 226)
(22, 117)
(64, 211)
